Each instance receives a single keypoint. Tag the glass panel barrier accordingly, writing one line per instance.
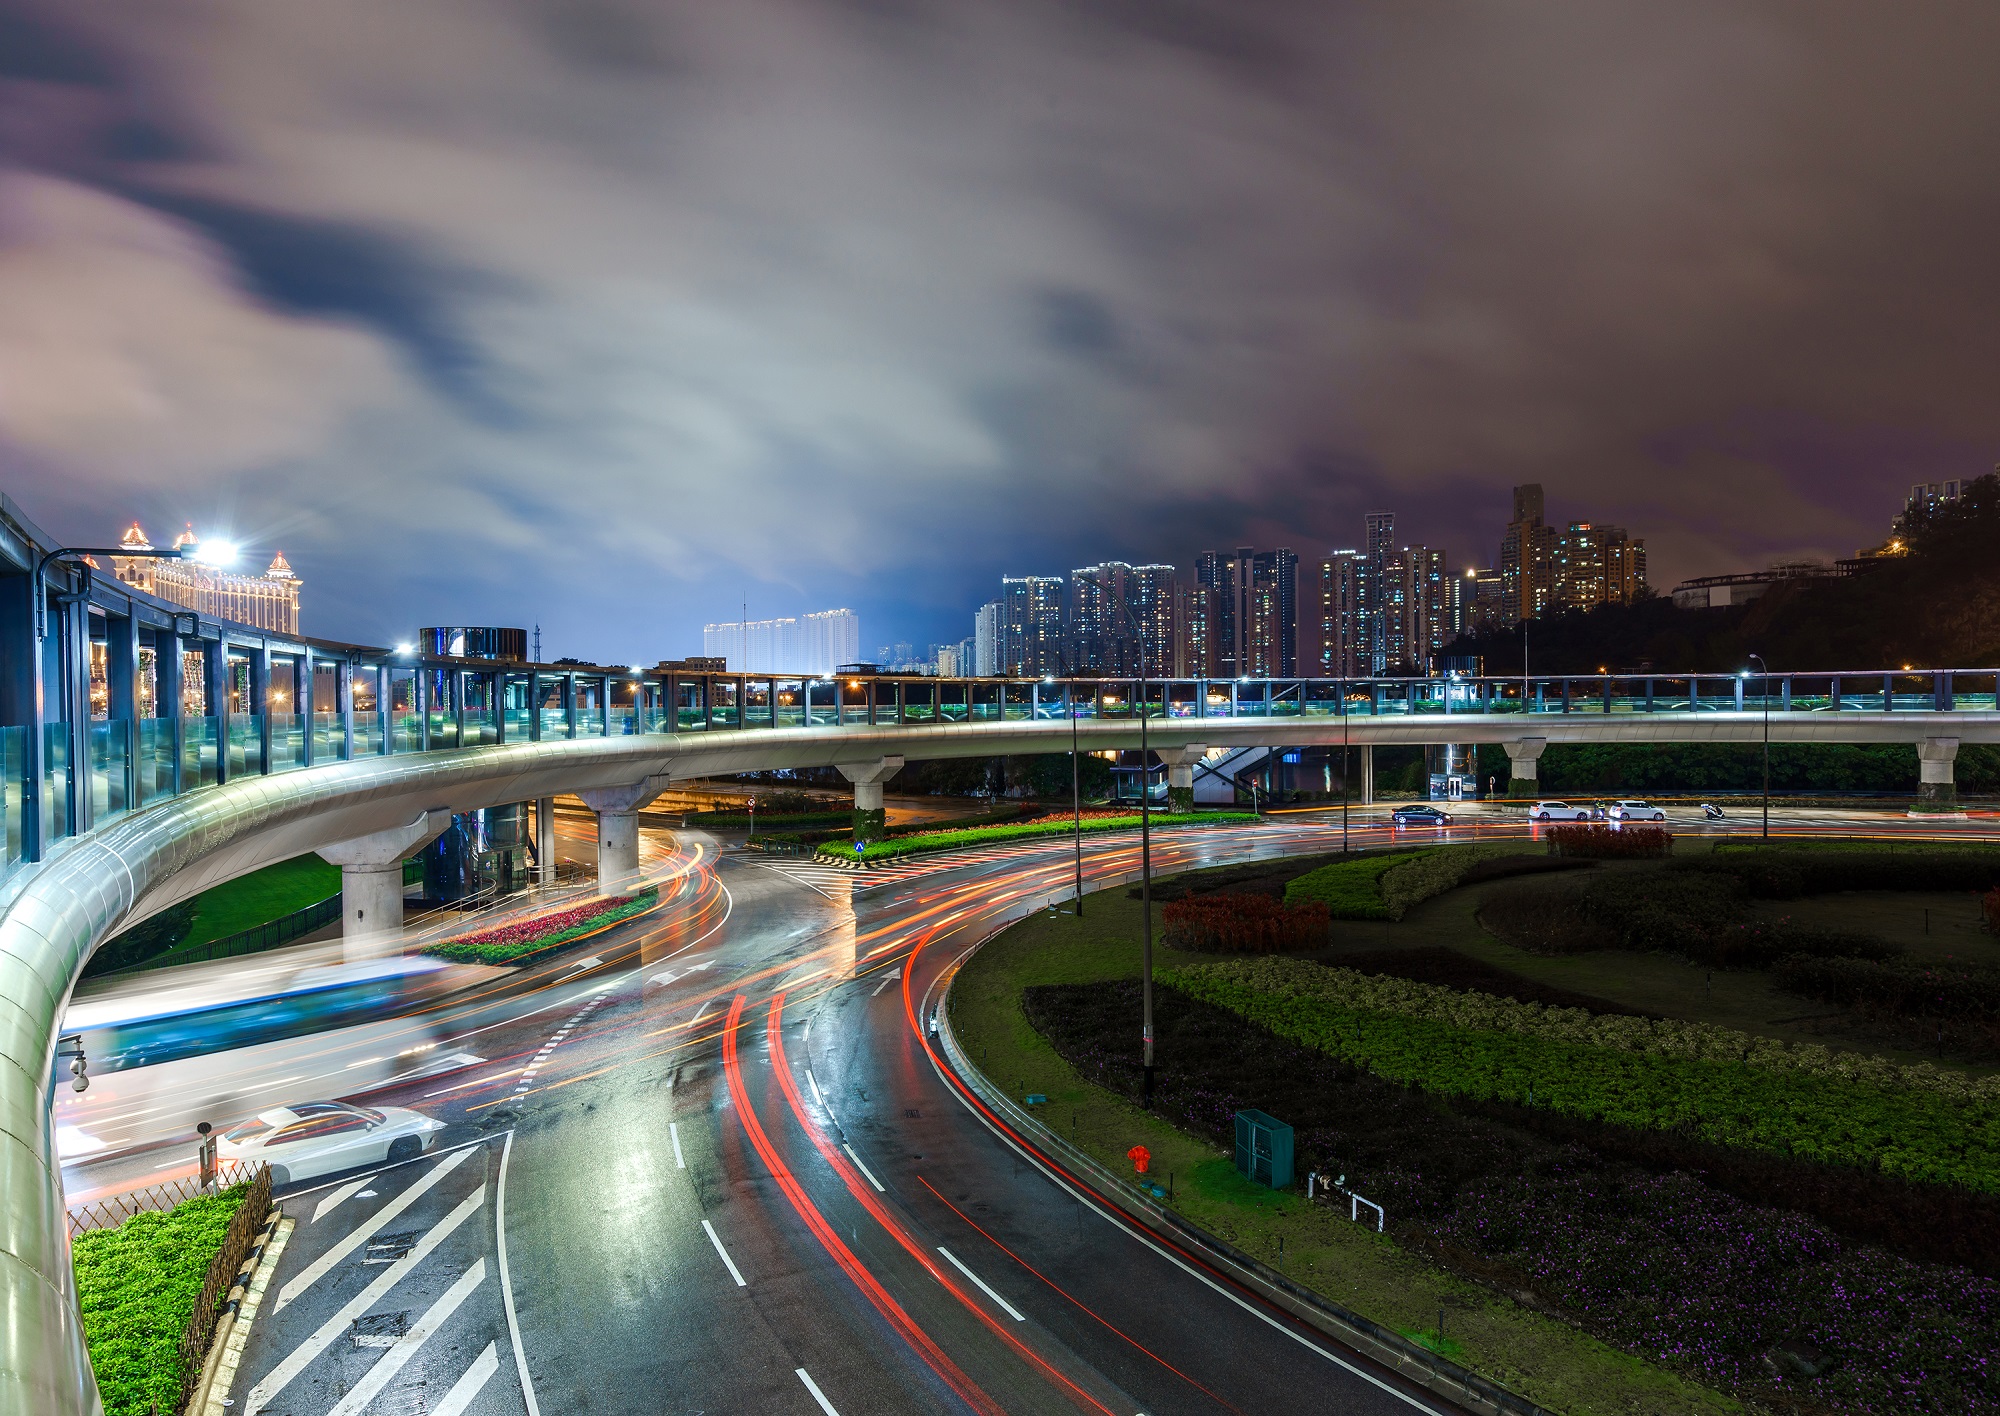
(110, 750)
(790, 696)
(246, 743)
(952, 705)
(883, 703)
(1018, 705)
(555, 724)
(329, 743)
(153, 768)
(624, 721)
(853, 703)
(725, 707)
(199, 753)
(690, 707)
(288, 745)
(481, 728)
(520, 724)
(406, 732)
(13, 797)
(757, 703)
(444, 729)
(55, 781)
(919, 705)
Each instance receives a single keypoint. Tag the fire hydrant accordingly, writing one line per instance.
(1140, 1158)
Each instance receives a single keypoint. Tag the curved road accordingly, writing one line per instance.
(721, 1169)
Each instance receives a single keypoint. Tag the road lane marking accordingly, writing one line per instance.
(301, 1357)
(507, 1282)
(892, 976)
(864, 1169)
(818, 1095)
(320, 1266)
(817, 1395)
(1012, 1311)
(470, 1385)
(391, 1362)
(728, 1262)
(674, 1130)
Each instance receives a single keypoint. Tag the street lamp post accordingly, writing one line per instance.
(1345, 755)
(1145, 868)
(1765, 670)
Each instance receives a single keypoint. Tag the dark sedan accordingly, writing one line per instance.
(1419, 816)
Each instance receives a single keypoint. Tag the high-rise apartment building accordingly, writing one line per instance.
(1481, 599)
(1595, 564)
(1527, 559)
(813, 644)
(827, 638)
(989, 638)
(1032, 625)
(1337, 641)
(1257, 614)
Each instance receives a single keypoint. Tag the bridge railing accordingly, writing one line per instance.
(377, 704)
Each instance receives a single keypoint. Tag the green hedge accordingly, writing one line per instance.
(465, 952)
(987, 835)
(1915, 1134)
(1386, 886)
(137, 1285)
(1788, 873)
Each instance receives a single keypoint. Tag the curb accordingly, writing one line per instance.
(211, 1394)
(1385, 1346)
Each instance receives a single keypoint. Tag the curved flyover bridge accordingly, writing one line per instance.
(116, 809)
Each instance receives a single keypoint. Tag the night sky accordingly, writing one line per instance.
(612, 316)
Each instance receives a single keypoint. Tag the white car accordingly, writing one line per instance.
(315, 1138)
(1635, 811)
(1557, 811)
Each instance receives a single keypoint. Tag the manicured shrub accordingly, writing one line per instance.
(1447, 968)
(136, 1287)
(1427, 874)
(1611, 842)
(989, 835)
(1642, 1254)
(1902, 988)
(1786, 873)
(510, 943)
(1243, 924)
(1350, 889)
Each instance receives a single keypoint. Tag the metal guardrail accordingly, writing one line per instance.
(284, 930)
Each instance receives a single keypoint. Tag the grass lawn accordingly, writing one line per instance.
(1538, 1356)
(262, 896)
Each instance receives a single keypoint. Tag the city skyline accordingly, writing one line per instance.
(273, 273)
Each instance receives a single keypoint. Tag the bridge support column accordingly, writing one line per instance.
(1936, 790)
(871, 818)
(1179, 762)
(371, 884)
(1367, 754)
(545, 840)
(617, 811)
(1523, 773)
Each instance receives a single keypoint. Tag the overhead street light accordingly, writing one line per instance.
(215, 554)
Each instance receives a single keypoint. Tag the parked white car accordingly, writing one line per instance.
(315, 1138)
(1636, 811)
(1557, 811)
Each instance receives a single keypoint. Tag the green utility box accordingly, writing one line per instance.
(1264, 1149)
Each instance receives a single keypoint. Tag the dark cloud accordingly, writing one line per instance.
(874, 302)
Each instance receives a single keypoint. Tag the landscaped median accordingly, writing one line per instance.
(1061, 825)
(514, 942)
(1386, 886)
(149, 1290)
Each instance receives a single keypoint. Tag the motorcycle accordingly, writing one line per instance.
(1711, 811)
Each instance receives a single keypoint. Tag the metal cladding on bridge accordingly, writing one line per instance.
(366, 749)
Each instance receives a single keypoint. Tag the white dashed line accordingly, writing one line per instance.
(727, 1262)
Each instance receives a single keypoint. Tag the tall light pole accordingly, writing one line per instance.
(1765, 670)
(1145, 867)
(1345, 753)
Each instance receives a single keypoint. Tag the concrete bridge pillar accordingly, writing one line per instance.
(371, 884)
(1179, 763)
(545, 839)
(1367, 751)
(1523, 757)
(617, 811)
(1936, 787)
(871, 818)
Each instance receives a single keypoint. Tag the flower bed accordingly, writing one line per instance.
(510, 943)
(988, 835)
(1611, 843)
(1917, 1122)
(137, 1287)
(1243, 924)
(1745, 1296)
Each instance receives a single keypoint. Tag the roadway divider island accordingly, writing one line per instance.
(1060, 824)
(520, 940)
(1748, 1214)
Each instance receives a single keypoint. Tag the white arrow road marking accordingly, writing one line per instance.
(384, 1371)
(468, 1386)
(336, 1197)
(320, 1266)
(301, 1357)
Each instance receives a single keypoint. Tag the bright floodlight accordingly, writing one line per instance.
(636, 670)
(216, 553)
(406, 648)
